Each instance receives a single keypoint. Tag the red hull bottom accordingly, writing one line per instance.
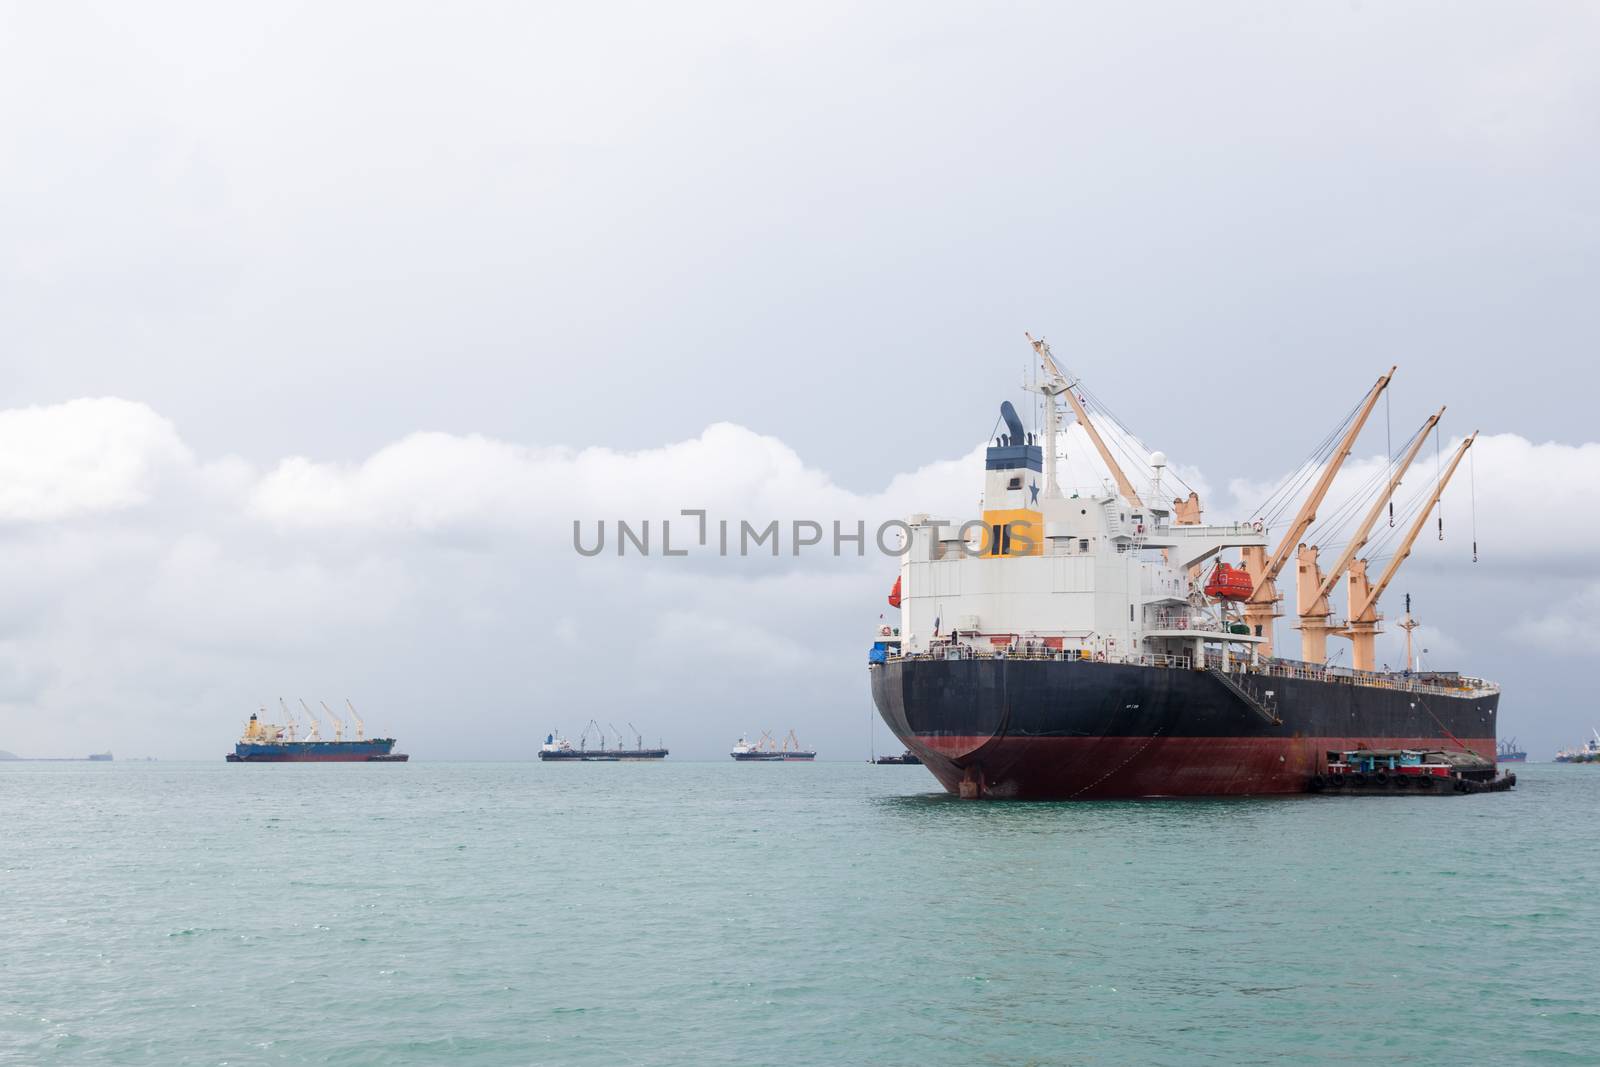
(1096, 768)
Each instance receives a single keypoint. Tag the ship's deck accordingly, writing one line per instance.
(1433, 683)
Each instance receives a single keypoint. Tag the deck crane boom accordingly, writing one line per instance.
(361, 727)
(1261, 610)
(1058, 384)
(291, 727)
(338, 723)
(1312, 586)
(316, 723)
(1362, 599)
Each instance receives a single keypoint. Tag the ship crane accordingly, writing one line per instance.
(361, 727)
(291, 726)
(1312, 586)
(1056, 384)
(1362, 599)
(338, 723)
(638, 738)
(316, 723)
(621, 741)
(1261, 610)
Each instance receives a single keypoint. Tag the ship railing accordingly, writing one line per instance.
(1183, 620)
(1462, 685)
(959, 652)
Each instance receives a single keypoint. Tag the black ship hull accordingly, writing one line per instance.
(618, 755)
(1073, 729)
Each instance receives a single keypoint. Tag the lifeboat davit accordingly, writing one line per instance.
(1229, 583)
(894, 594)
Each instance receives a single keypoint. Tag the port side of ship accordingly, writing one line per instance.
(1108, 644)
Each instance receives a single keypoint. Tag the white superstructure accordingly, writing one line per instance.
(1106, 575)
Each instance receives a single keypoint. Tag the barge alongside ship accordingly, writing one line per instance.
(1101, 645)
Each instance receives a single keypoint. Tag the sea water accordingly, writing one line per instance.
(728, 913)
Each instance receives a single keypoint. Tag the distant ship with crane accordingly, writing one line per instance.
(769, 750)
(1105, 643)
(265, 742)
(557, 749)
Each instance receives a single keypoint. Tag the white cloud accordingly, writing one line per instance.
(82, 457)
(1566, 627)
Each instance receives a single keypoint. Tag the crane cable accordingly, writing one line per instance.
(1272, 508)
(1102, 408)
(1472, 474)
(1335, 523)
(1388, 443)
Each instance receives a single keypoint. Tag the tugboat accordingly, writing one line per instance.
(557, 749)
(767, 750)
(907, 757)
(1104, 640)
(1397, 771)
(265, 742)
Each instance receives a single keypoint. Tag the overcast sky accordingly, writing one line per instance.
(319, 325)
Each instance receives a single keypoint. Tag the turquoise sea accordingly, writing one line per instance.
(722, 913)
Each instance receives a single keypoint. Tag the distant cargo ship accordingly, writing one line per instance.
(265, 742)
(1508, 752)
(100, 757)
(557, 749)
(1589, 753)
(767, 750)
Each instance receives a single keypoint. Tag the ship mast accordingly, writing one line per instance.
(1056, 384)
(1312, 587)
(1408, 624)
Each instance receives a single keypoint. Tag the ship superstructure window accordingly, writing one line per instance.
(1083, 544)
(1015, 483)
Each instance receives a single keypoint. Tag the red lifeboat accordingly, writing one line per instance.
(1230, 583)
(894, 594)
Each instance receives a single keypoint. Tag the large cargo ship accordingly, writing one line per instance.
(265, 742)
(768, 750)
(1109, 644)
(557, 749)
